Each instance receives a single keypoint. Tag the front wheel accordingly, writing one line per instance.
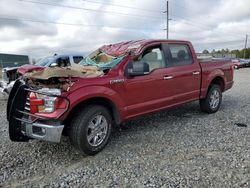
(90, 129)
(212, 102)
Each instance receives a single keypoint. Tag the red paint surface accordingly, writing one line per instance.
(29, 68)
(149, 93)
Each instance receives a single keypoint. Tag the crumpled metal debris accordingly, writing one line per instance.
(60, 72)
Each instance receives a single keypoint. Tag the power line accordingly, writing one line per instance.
(195, 22)
(191, 22)
(202, 26)
(88, 9)
(97, 26)
(72, 24)
(224, 42)
(124, 6)
(176, 4)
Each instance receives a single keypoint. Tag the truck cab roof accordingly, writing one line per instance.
(134, 46)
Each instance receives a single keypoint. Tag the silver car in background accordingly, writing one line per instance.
(9, 75)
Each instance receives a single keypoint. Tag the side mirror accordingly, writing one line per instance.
(53, 64)
(138, 68)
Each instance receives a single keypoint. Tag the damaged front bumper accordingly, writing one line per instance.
(24, 125)
(42, 131)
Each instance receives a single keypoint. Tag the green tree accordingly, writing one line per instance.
(247, 53)
(236, 52)
(205, 51)
(241, 53)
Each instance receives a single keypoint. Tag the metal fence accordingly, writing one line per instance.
(5, 64)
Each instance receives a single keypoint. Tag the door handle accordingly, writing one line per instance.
(167, 77)
(196, 73)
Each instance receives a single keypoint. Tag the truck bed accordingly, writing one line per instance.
(215, 67)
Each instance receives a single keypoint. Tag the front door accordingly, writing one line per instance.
(145, 93)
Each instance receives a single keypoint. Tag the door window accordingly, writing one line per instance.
(179, 55)
(63, 62)
(154, 58)
(77, 59)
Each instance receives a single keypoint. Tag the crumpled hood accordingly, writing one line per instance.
(122, 48)
(29, 68)
(63, 72)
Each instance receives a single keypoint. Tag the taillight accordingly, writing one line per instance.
(232, 70)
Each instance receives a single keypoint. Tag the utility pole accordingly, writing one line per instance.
(167, 17)
(245, 47)
(167, 20)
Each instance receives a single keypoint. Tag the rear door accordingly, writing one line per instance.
(182, 75)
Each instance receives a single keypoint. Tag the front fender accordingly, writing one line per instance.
(84, 93)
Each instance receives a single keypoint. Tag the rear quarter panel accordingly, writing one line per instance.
(211, 70)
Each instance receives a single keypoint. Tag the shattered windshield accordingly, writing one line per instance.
(45, 62)
(101, 59)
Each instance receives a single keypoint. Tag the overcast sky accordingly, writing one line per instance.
(28, 27)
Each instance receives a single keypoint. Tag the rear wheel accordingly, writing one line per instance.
(90, 129)
(212, 102)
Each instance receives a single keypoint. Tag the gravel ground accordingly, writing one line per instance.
(181, 147)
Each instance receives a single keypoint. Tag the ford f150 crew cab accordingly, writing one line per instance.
(110, 86)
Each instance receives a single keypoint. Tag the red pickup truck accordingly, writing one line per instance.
(112, 85)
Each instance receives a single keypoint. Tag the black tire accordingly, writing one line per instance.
(79, 130)
(206, 105)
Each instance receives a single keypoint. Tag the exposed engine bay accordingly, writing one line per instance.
(60, 78)
(97, 64)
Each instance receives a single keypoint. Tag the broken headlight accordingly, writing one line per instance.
(47, 103)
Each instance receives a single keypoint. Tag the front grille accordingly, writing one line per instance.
(27, 105)
(16, 104)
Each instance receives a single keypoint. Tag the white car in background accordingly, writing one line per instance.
(61, 60)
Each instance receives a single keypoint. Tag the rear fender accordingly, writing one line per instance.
(208, 79)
